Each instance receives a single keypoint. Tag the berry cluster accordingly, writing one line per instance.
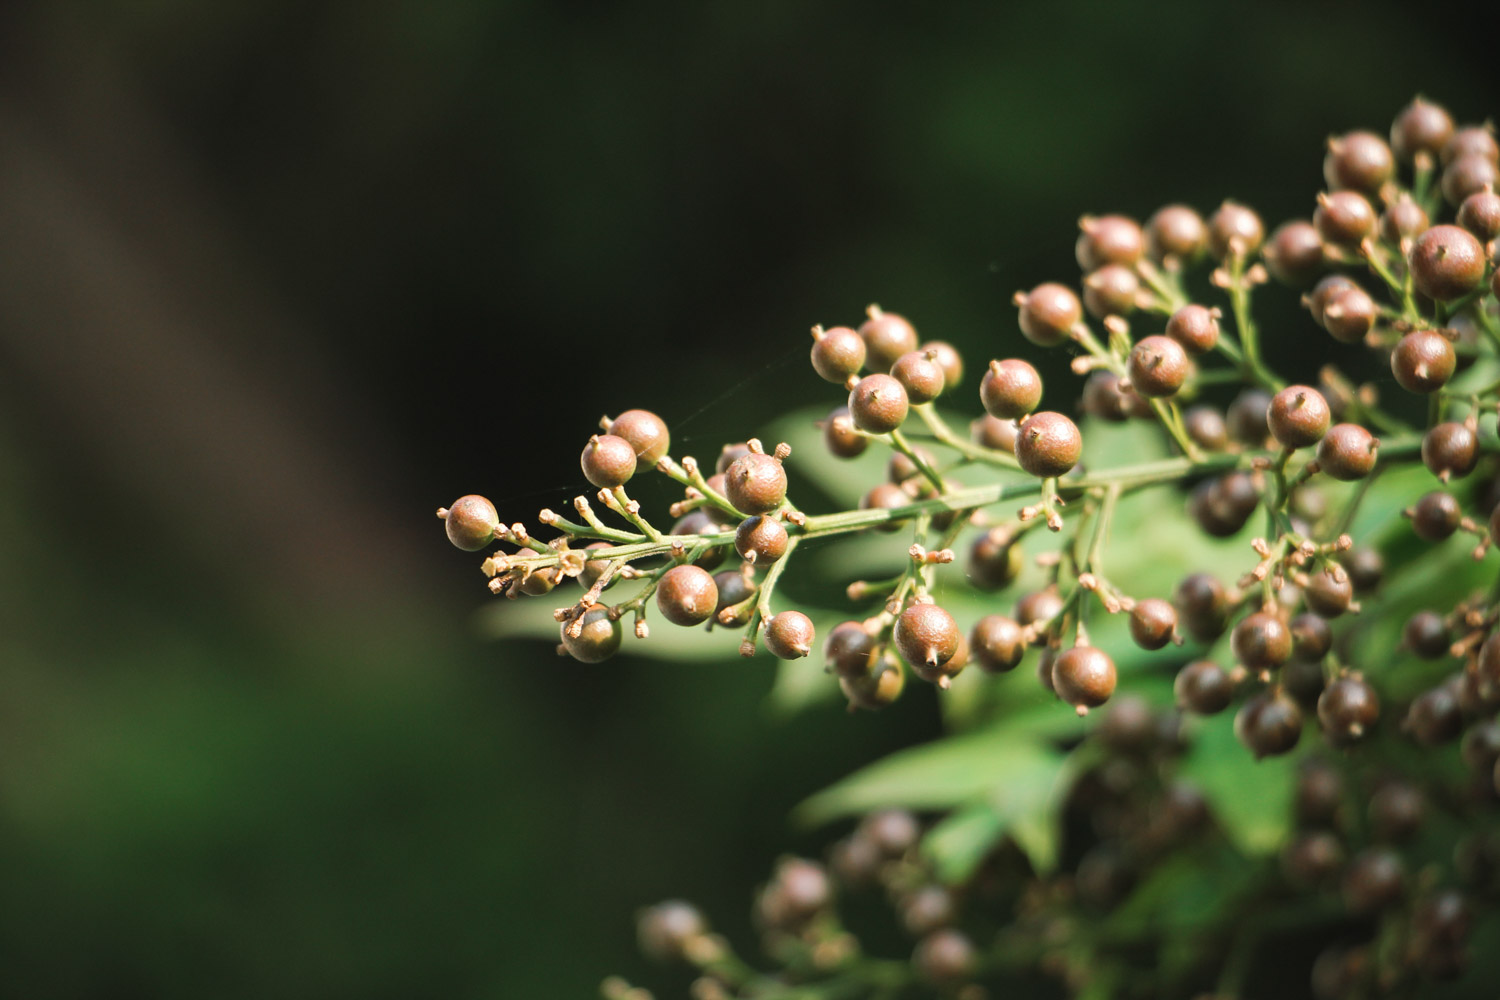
(1160, 329)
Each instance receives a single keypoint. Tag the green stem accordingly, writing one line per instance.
(963, 446)
(899, 442)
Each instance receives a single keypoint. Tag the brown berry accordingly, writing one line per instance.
(1467, 175)
(1298, 416)
(1048, 444)
(1203, 605)
(1435, 717)
(1318, 299)
(1472, 140)
(1347, 452)
(875, 690)
(944, 957)
(1246, 417)
(1426, 635)
(1103, 398)
(1480, 215)
(1348, 709)
(1423, 361)
(1269, 724)
(1261, 641)
(878, 404)
(1195, 327)
(1205, 425)
(1157, 366)
(948, 359)
(608, 461)
(997, 644)
(470, 522)
(1450, 449)
(646, 432)
(1403, 219)
(888, 496)
(1234, 227)
(850, 650)
(1349, 315)
(927, 637)
(995, 560)
(1344, 218)
(790, 635)
(1435, 516)
(760, 539)
(687, 595)
(1358, 160)
(1175, 231)
(1111, 291)
(1294, 254)
(1048, 313)
(1152, 623)
(755, 483)
(1446, 263)
(1108, 239)
(1421, 127)
(1396, 811)
(1311, 636)
(1010, 389)
(887, 336)
(599, 638)
(1203, 687)
(840, 436)
(1374, 880)
(920, 375)
(994, 433)
(1038, 608)
(734, 590)
(1084, 677)
(837, 353)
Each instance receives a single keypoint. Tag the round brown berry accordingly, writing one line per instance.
(1467, 175)
(1269, 724)
(1348, 709)
(687, 595)
(840, 436)
(927, 637)
(1480, 215)
(1435, 516)
(850, 650)
(1329, 591)
(1108, 239)
(1261, 641)
(1294, 254)
(997, 644)
(994, 433)
(666, 931)
(1374, 880)
(1423, 361)
(760, 539)
(1048, 444)
(1450, 449)
(1446, 263)
(470, 522)
(1234, 227)
(920, 375)
(1084, 677)
(1472, 140)
(1344, 218)
(1426, 635)
(1205, 425)
(1311, 636)
(1435, 717)
(790, 635)
(701, 521)
(1421, 127)
(948, 359)
(875, 690)
(1194, 327)
(646, 432)
(599, 638)
(1319, 797)
(1103, 398)
(888, 496)
(608, 461)
(755, 483)
(1358, 160)
(1157, 366)
(728, 455)
(1152, 623)
(837, 353)
(1203, 687)
(1038, 608)
(1298, 416)
(1203, 605)
(734, 590)
(1010, 389)
(928, 908)
(1347, 452)
(944, 957)
(995, 560)
(1175, 231)
(1303, 680)
(1349, 315)
(1048, 313)
(1311, 858)
(887, 336)
(1246, 417)
(1403, 219)
(1111, 291)
(1480, 748)
(798, 891)
(878, 404)
(1317, 299)
(1396, 811)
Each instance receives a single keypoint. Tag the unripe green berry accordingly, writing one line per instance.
(470, 522)
(1048, 444)
(878, 404)
(608, 461)
(686, 595)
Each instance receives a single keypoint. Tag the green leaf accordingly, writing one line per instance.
(1252, 798)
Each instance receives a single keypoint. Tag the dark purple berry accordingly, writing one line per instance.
(1261, 641)
(1426, 635)
(1348, 708)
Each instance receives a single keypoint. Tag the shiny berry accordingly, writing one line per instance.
(1084, 677)
(1152, 623)
(1108, 239)
(1403, 219)
(1246, 417)
(1450, 449)
(701, 521)
(687, 595)
(1261, 641)
(1347, 452)
(840, 436)
(1195, 327)
(1472, 140)
(1358, 160)
(995, 560)
(1435, 717)
(850, 650)
(1157, 366)
(1010, 389)
(646, 432)
(727, 457)
(927, 637)
(1048, 313)
(1294, 254)
(1175, 231)
(1203, 687)
(994, 433)
(920, 375)
(878, 404)
(1349, 315)
(760, 539)
(1328, 591)
(997, 644)
(948, 359)
(1421, 127)
(1038, 608)
(1423, 361)
(1311, 636)
(599, 638)
(1317, 299)
(1298, 416)
(1303, 680)
(1205, 425)
(1234, 227)
(1269, 724)
(1103, 399)
(1426, 635)
(734, 590)
(1435, 516)
(1344, 218)
(1111, 291)
(887, 336)
(755, 483)
(790, 635)
(1396, 811)
(1480, 215)
(1348, 709)
(470, 522)
(608, 461)
(1203, 605)
(1446, 262)
(1468, 175)
(837, 353)
(1048, 444)
(1374, 880)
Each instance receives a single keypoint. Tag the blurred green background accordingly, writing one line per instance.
(279, 277)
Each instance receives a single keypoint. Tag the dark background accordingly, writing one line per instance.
(278, 278)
